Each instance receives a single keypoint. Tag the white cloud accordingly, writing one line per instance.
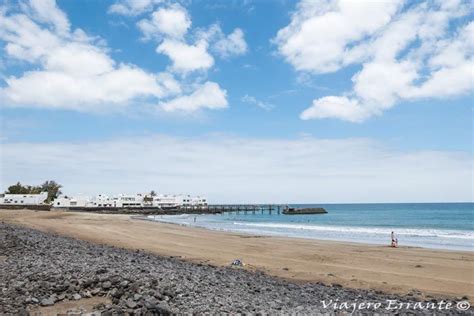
(206, 96)
(170, 27)
(225, 46)
(26, 40)
(173, 22)
(186, 57)
(71, 71)
(86, 93)
(321, 32)
(46, 11)
(406, 52)
(132, 7)
(228, 169)
(233, 44)
(252, 100)
(451, 67)
(339, 107)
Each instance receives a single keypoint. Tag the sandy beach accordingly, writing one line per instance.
(402, 271)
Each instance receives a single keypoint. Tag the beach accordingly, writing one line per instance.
(48, 274)
(405, 271)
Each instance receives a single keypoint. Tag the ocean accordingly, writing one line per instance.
(428, 225)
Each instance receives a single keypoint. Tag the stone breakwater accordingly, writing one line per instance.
(43, 269)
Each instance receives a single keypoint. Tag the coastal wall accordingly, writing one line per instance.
(42, 207)
(136, 210)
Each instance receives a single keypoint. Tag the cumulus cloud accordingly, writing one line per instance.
(341, 107)
(245, 170)
(206, 96)
(321, 32)
(173, 22)
(86, 92)
(233, 44)
(70, 69)
(46, 11)
(189, 52)
(406, 52)
(186, 58)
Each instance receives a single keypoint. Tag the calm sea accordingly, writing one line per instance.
(430, 225)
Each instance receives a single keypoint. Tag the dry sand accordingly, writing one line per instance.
(85, 305)
(401, 270)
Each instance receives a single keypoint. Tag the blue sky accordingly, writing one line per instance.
(347, 87)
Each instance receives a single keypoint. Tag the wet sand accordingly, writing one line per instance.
(402, 270)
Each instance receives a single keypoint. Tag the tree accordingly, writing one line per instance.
(17, 189)
(48, 186)
(52, 188)
(149, 196)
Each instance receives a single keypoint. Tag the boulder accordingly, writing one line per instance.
(47, 301)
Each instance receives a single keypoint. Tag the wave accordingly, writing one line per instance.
(419, 237)
(170, 217)
(409, 232)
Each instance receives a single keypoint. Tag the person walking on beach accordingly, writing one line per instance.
(394, 241)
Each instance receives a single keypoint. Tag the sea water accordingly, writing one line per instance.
(429, 225)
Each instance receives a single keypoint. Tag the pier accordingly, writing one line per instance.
(236, 208)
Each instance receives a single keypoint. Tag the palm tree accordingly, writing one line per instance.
(52, 188)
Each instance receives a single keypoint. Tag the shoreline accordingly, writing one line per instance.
(341, 241)
(404, 270)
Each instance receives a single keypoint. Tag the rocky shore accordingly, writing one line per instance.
(42, 269)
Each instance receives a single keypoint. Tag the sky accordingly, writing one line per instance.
(241, 101)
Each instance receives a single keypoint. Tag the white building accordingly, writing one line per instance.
(165, 200)
(101, 200)
(127, 200)
(68, 201)
(130, 200)
(178, 200)
(199, 201)
(23, 199)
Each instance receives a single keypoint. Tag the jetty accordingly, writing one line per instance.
(304, 211)
(253, 209)
(247, 208)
